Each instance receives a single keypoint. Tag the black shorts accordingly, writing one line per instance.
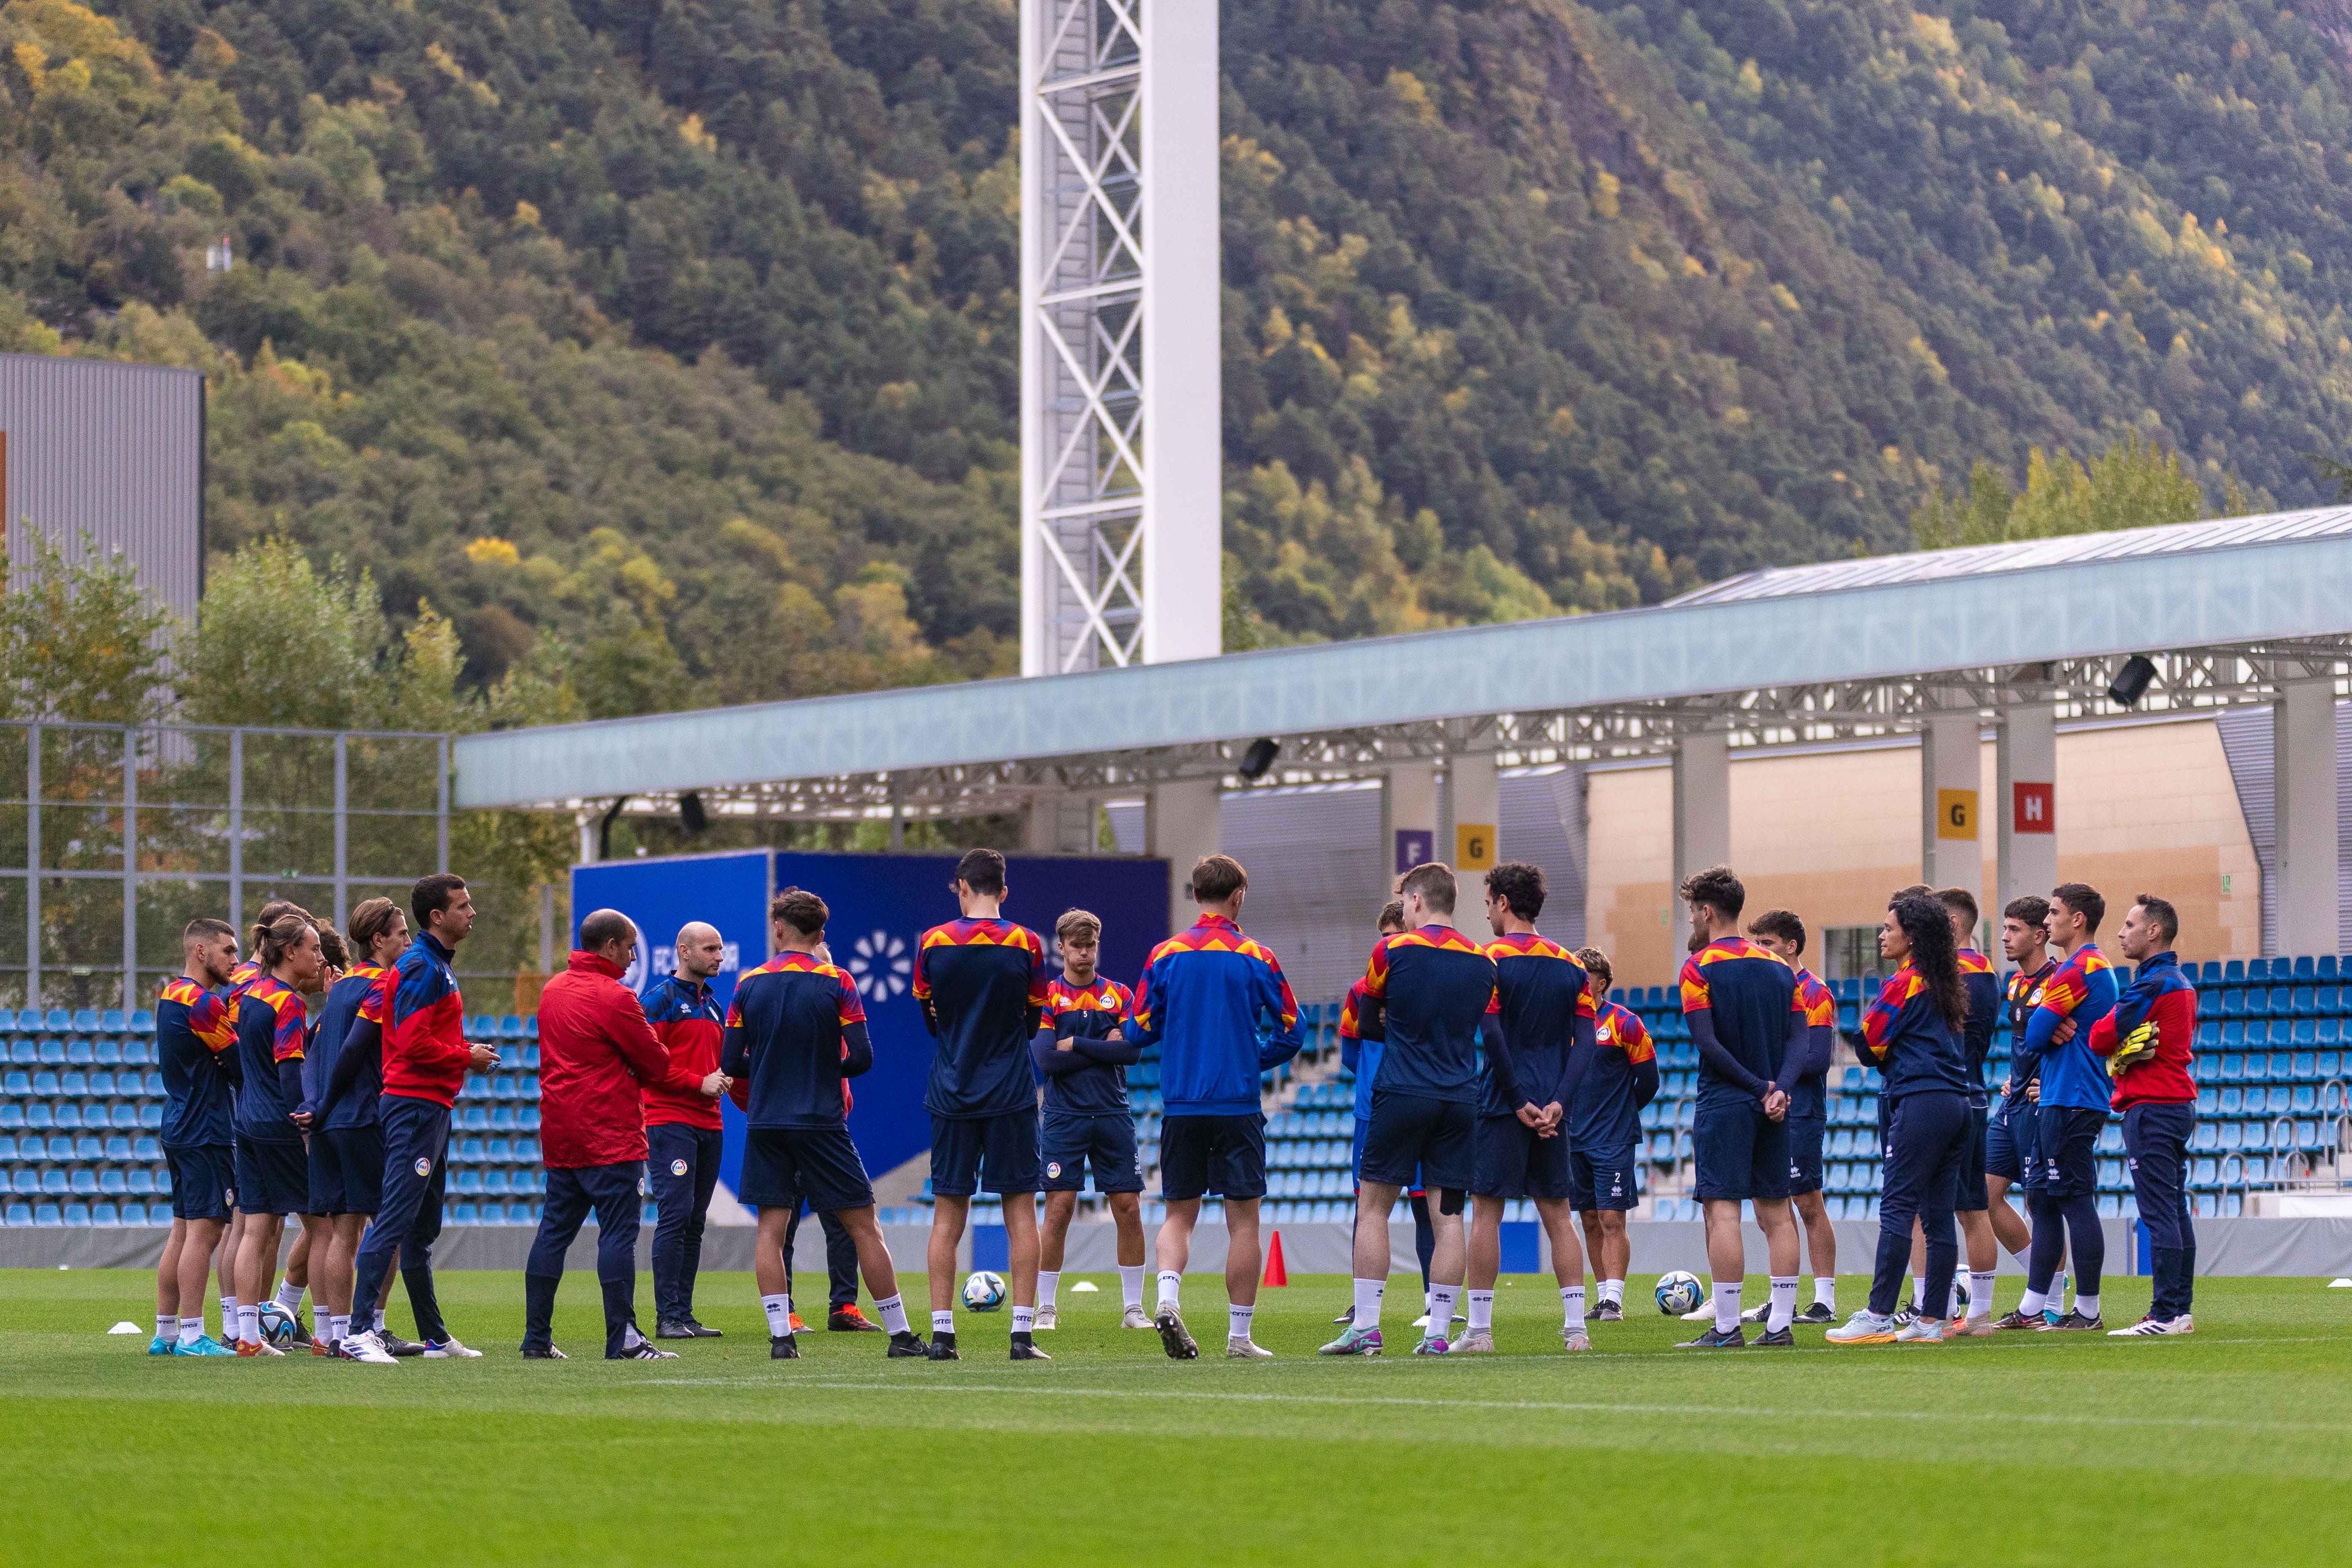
(1069, 1140)
(1414, 1139)
(2069, 1150)
(1805, 1153)
(203, 1181)
(1221, 1155)
(2011, 1137)
(1509, 1161)
(1741, 1152)
(781, 1165)
(272, 1178)
(1000, 1151)
(346, 1169)
(1604, 1178)
(1974, 1195)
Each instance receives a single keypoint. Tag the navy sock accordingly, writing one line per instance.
(538, 1308)
(2049, 1243)
(2089, 1240)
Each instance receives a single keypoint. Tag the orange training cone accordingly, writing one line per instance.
(1275, 1274)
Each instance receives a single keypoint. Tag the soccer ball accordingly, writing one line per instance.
(1679, 1292)
(984, 1291)
(277, 1324)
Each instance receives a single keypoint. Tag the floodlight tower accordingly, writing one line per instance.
(1121, 480)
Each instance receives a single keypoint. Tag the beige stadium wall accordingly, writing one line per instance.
(2141, 808)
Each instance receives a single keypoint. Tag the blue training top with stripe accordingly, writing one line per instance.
(2083, 990)
(1437, 986)
(1216, 1004)
(977, 980)
(1541, 992)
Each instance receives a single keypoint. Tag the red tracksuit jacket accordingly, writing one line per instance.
(596, 1057)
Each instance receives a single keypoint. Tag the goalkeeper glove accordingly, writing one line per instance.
(2138, 1047)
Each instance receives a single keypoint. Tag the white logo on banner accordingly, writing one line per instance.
(881, 966)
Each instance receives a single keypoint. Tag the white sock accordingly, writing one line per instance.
(1171, 1287)
(191, 1329)
(1614, 1291)
(1571, 1305)
(1825, 1290)
(2033, 1301)
(1918, 1294)
(338, 1329)
(1048, 1283)
(2086, 1305)
(1130, 1284)
(376, 1322)
(780, 1315)
(1482, 1311)
(1024, 1319)
(1980, 1288)
(167, 1326)
(1367, 1302)
(321, 1320)
(1783, 1310)
(943, 1322)
(228, 1316)
(248, 1324)
(1727, 1305)
(290, 1298)
(894, 1314)
(1440, 1309)
(1237, 1320)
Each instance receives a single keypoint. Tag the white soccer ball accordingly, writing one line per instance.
(984, 1291)
(1679, 1292)
(276, 1323)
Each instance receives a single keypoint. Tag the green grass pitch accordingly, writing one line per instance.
(2235, 1445)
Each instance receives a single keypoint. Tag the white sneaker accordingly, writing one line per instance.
(1701, 1313)
(1574, 1339)
(364, 1347)
(1422, 1321)
(450, 1349)
(1245, 1349)
(1755, 1315)
(2156, 1328)
(1135, 1318)
(1046, 1319)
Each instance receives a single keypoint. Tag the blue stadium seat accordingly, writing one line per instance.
(466, 1214)
(111, 1021)
(109, 1053)
(11, 1115)
(104, 1214)
(141, 1021)
(2306, 1099)
(2229, 1137)
(80, 1053)
(73, 1082)
(2329, 1032)
(2110, 1207)
(118, 1148)
(67, 1114)
(138, 1053)
(2306, 968)
(83, 1182)
(134, 1213)
(510, 1027)
(39, 1114)
(141, 1182)
(53, 1053)
(17, 1082)
(2208, 1138)
(22, 1054)
(2209, 1037)
(476, 1120)
(2111, 1138)
(2233, 1100)
(151, 1116)
(2257, 1067)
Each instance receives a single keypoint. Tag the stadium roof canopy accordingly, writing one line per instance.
(2226, 609)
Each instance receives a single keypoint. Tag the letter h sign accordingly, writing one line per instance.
(2029, 809)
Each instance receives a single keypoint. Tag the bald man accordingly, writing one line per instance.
(683, 1136)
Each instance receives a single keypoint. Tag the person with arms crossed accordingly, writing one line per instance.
(1604, 1134)
(2075, 1091)
(273, 1176)
(1427, 992)
(1217, 1006)
(196, 1048)
(2013, 1127)
(1780, 932)
(795, 1034)
(1538, 1047)
(1082, 1051)
(1913, 1032)
(597, 1057)
(684, 1134)
(2148, 1044)
(1753, 1036)
(980, 982)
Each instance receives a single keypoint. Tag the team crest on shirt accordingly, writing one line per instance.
(1053, 1168)
(423, 1166)
(678, 1168)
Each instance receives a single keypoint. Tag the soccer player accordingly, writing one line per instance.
(841, 1315)
(195, 1048)
(346, 1147)
(273, 1176)
(684, 1134)
(232, 1240)
(2075, 1090)
(1780, 932)
(597, 1057)
(1913, 1033)
(1361, 1059)
(418, 1048)
(1974, 1201)
(980, 980)
(1428, 988)
(795, 1034)
(2011, 1130)
(1082, 1051)
(2149, 1042)
(1604, 1134)
(1217, 1006)
(1749, 1024)
(1538, 1040)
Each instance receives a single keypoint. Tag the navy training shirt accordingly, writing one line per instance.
(1607, 1115)
(270, 1028)
(1984, 1016)
(341, 1010)
(1752, 995)
(1541, 991)
(1916, 1049)
(1437, 985)
(1808, 1095)
(977, 981)
(795, 1031)
(194, 1029)
(1098, 1011)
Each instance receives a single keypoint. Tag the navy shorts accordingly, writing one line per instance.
(1604, 1178)
(1000, 1151)
(1069, 1140)
(1203, 1154)
(1511, 1161)
(1974, 1195)
(346, 1169)
(1741, 1152)
(203, 1181)
(1805, 1153)
(781, 1165)
(272, 1178)
(2009, 1137)
(1414, 1139)
(2069, 1150)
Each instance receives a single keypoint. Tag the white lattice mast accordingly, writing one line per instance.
(1121, 463)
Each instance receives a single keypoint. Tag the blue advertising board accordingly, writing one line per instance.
(881, 905)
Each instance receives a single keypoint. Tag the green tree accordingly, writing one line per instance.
(279, 642)
(2134, 484)
(79, 639)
